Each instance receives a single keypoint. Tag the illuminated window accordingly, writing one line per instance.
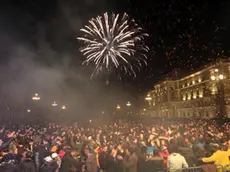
(201, 92)
(193, 82)
(194, 94)
(184, 96)
(189, 95)
(214, 89)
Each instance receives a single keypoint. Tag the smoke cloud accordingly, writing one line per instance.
(40, 55)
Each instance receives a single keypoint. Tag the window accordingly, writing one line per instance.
(194, 95)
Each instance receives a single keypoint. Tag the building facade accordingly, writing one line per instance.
(204, 93)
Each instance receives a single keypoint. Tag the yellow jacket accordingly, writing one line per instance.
(219, 158)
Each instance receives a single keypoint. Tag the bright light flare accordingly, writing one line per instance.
(213, 77)
(54, 104)
(36, 97)
(128, 104)
(221, 76)
(63, 107)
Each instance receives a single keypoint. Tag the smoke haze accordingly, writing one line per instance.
(39, 54)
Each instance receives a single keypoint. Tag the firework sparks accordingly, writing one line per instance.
(115, 42)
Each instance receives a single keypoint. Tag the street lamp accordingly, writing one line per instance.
(213, 78)
(118, 107)
(35, 97)
(217, 77)
(63, 107)
(149, 98)
(54, 104)
(28, 110)
(221, 76)
(128, 104)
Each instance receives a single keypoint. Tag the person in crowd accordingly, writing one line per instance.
(40, 153)
(91, 162)
(157, 161)
(164, 154)
(142, 159)
(220, 157)
(102, 157)
(69, 163)
(130, 160)
(175, 160)
(111, 146)
(57, 159)
(28, 163)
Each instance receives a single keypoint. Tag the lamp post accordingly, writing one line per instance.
(118, 107)
(63, 107)
(218, 78)
(36, 97)
(54, 104)
(148, 98)
(35, 107)
(128, 104)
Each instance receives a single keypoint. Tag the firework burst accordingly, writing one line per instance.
(115, 42)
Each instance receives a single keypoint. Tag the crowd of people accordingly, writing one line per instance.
(118, 146)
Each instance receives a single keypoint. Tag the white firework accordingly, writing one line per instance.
(117, 42)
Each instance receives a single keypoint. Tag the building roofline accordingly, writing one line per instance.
(195, 72)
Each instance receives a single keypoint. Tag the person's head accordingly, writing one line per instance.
(214, 148)
(54, 155)
(106, 148)
(143, 150)
(228, 144)
(163, 148)
(156, 152)
(74, 153)
(224, 147)
(119, 147)
(130, 150)
(173, 148)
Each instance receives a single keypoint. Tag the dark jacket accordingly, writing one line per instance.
(9, 168)
(102, 160)
(188, 155)
(29, 166)
(131, 163)
(91, 163)
(68, 162)
(141, 165)
(39, 156)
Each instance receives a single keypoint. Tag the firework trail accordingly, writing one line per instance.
(115, 42)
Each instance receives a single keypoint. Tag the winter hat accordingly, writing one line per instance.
(54, 155)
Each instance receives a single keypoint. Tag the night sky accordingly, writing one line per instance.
(183, 35)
